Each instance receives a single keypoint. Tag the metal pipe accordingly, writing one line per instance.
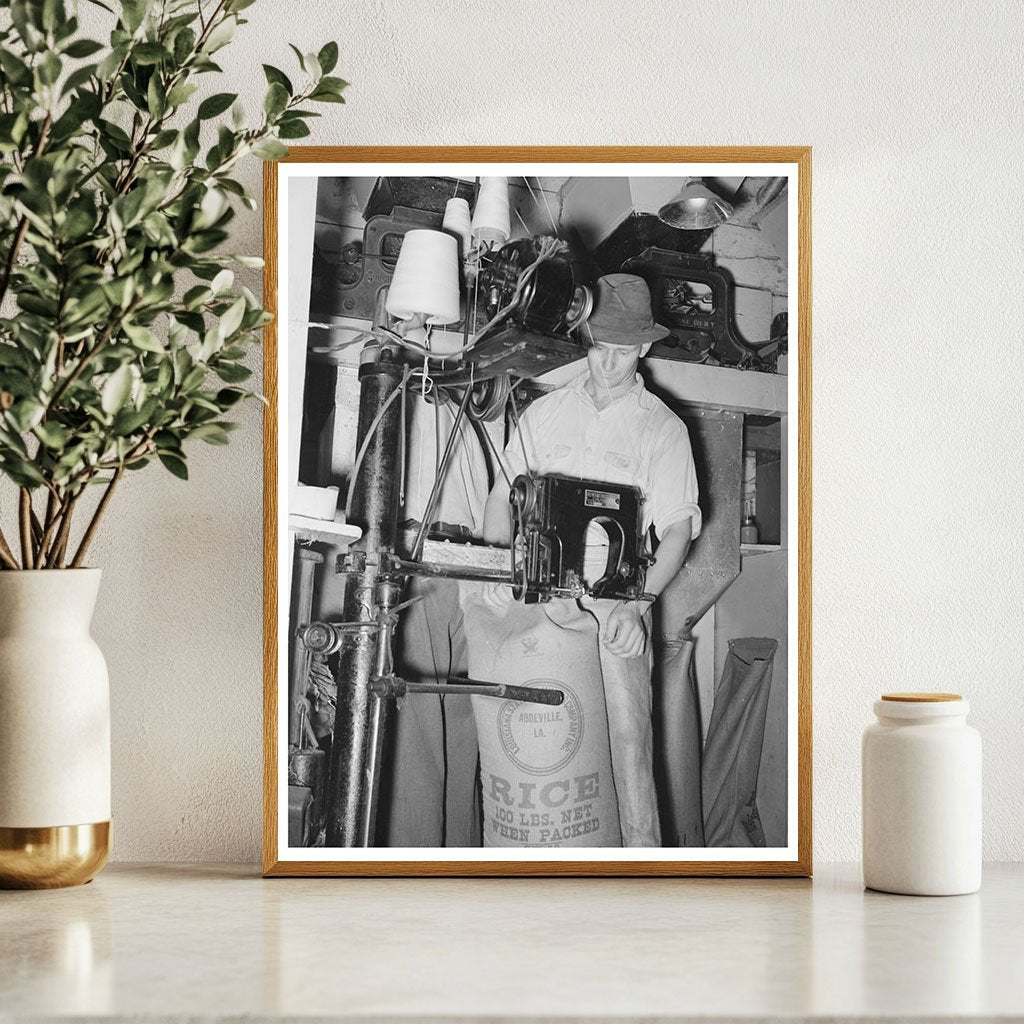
(374, 507)
(392, 686)
(308, 559)
(385, 599)
(455, 572)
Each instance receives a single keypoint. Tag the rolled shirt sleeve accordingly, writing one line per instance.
(671, 484)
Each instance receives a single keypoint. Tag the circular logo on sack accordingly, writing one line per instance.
(538, 738)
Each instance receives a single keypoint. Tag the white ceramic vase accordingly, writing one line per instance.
(54, 731)
(921, 772)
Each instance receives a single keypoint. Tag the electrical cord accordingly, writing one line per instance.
(436, 489)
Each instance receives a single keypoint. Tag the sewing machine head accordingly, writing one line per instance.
(550, 519)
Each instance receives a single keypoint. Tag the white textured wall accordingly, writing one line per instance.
(914, 113)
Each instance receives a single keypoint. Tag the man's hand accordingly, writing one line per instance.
(626, 634)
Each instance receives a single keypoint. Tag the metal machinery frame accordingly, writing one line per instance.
(533, 301)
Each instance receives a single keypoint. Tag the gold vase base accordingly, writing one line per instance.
(54, 857)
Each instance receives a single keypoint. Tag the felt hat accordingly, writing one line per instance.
(622, 312)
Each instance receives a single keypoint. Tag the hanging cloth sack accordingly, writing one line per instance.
(545, 771)
(732, 753)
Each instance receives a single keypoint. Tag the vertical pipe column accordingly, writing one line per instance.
(359, 716)
(302, 608)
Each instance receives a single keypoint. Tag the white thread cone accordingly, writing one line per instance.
(457, 221)
(491, 216)
(426, 278)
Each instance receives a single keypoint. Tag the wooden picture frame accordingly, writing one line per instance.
(633, 175)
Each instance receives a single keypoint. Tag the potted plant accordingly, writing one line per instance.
(122, 340)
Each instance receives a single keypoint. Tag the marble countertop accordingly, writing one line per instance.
(183, 941)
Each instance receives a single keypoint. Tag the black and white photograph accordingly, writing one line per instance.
(537, 513)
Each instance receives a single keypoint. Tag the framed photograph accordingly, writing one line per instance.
(538, 512)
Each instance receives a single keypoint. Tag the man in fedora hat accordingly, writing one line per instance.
(605, 425)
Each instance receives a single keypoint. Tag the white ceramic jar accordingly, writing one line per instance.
(921, 776)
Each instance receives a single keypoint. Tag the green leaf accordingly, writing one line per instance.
(149, 53)
(227, 397)
(274, 76)
(195, 296)
(11, 356)
(133, 13)
(328, 57)
(26, 414)
(128, 421)
(49, 68)
(221, 35)
(222, 282)
(232, 319)
(109, 65)
(38, 305)
(269, 149)
(184, 44)
(144, 338)
(214, 105)
(164, 376)
(11, 442)
(292, 130)
(53, 14)
(156, 101)
(129, 207)
(83, 48)
(232, 373)
(14, 68)
(181, 94)
(27, 23)
(78, 78)
(22, 472)
(116, 390)
(116, 133)
(311, 65)
(325, 96)
(119, 291)
(276, 100)
(211, 433)
(175, 465)
(193, 379)
(65, 28)
(162, 139)
(53, 435)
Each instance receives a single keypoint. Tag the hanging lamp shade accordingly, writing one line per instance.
(426, 278)
(695, 207)
(491, 217)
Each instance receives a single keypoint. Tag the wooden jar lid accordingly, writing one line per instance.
(921, 698)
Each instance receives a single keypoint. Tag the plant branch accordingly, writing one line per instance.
(94, 523)
(37, 528)
(54, 509)
(25, 522)
(60, 543)
(6, 554)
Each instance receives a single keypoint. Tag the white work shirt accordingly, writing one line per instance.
(636, 440)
